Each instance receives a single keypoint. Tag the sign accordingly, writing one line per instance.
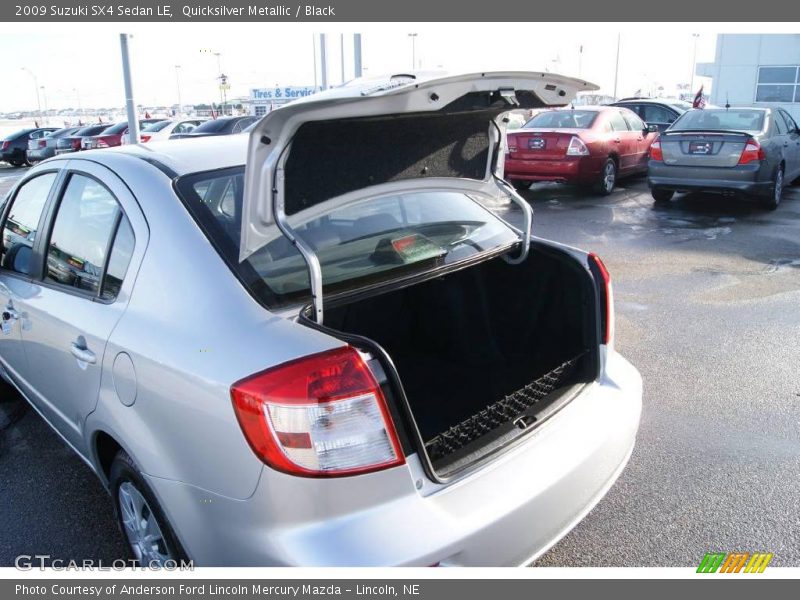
(280, 94)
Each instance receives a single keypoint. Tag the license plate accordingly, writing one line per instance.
(536, 143)
(699, 147)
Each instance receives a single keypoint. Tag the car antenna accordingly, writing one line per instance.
(727, 101)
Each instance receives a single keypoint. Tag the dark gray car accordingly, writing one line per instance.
(752, 151)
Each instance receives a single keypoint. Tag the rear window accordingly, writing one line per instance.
(118, 128)
(358, 244)
(724, 120)
(567, 119)
(90, 130)
(212, 126)
(156, 126)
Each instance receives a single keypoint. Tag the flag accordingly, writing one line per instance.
(213, 112)
(699, 101)
(146, 115)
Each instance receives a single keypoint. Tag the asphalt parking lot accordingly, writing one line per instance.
(706, 290)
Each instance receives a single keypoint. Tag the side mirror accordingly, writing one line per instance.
(652, 128)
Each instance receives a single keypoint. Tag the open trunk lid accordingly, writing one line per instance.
(382, 135)
(703, 148)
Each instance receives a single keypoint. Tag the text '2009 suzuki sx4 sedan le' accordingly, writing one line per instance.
(317, 347)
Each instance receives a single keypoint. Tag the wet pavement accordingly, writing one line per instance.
(707, 292)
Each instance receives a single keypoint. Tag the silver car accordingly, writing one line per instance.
(319, 347)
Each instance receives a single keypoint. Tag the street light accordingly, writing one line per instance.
(413, 37)
(694, 61)
(36, 87)
(178, 82)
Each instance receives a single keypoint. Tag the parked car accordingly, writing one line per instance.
(164, 129)
(592, 146)
(112, 136)
(219, 126)
(458, 401)
(72, 143)
(44, 147)
(14, 147)
(661, 112)
(753, 151)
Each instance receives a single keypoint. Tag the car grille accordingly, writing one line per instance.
(499, 413)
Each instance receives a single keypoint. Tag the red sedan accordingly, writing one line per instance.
(591, 146)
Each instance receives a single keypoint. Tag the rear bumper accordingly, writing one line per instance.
(10, 155)
(579, 169)
(507, 513)
(40, 154)
(752, 178)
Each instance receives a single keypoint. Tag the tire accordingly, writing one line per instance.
(661, 196)
(134, 502)
(521, 185)
(608, 177)
(774, 199)
(15, 163)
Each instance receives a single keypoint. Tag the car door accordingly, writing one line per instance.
(792, 145)
(624, 140)
(93, 229)
(643, 139)
(22, 217)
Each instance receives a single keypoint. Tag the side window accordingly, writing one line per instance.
(22, 222)
(84, 226)
(657, 114)
(780, 124)
(617, 122)
(120, 258)
(635, 123)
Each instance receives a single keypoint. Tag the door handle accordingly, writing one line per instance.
(82, 353)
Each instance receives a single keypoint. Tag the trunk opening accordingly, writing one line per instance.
(481, 355)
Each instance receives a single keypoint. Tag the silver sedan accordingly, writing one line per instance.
(317, 346)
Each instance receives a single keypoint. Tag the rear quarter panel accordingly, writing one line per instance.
(191, 331)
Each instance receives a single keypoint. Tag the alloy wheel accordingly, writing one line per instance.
(141, 527)
(609, 176)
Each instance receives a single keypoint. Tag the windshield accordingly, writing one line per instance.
(564, 119)
(742, 119)
(156, 126)
(363, 243)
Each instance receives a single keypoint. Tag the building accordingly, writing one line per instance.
(756, 70)
(263, 100)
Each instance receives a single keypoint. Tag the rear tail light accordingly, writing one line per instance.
(321, 416)
(655, 150)
(76, 144)
(577, 147)
(100, 143)
(144, 138)
(752, 151)
(42, 143)
(511, 141)
(6, 144)
(603, 277)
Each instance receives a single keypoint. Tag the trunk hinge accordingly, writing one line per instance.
(527, 211)
(306, 251)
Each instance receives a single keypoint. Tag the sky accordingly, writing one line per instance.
(79, 64)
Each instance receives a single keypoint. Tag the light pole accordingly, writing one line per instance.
(694, 62)
(413, 37)
(36, 87)
(178, 83)
(130, 104)
(78, 94)
(616, 67)
(44, 97)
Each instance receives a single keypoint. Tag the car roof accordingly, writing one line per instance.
(184, 156)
